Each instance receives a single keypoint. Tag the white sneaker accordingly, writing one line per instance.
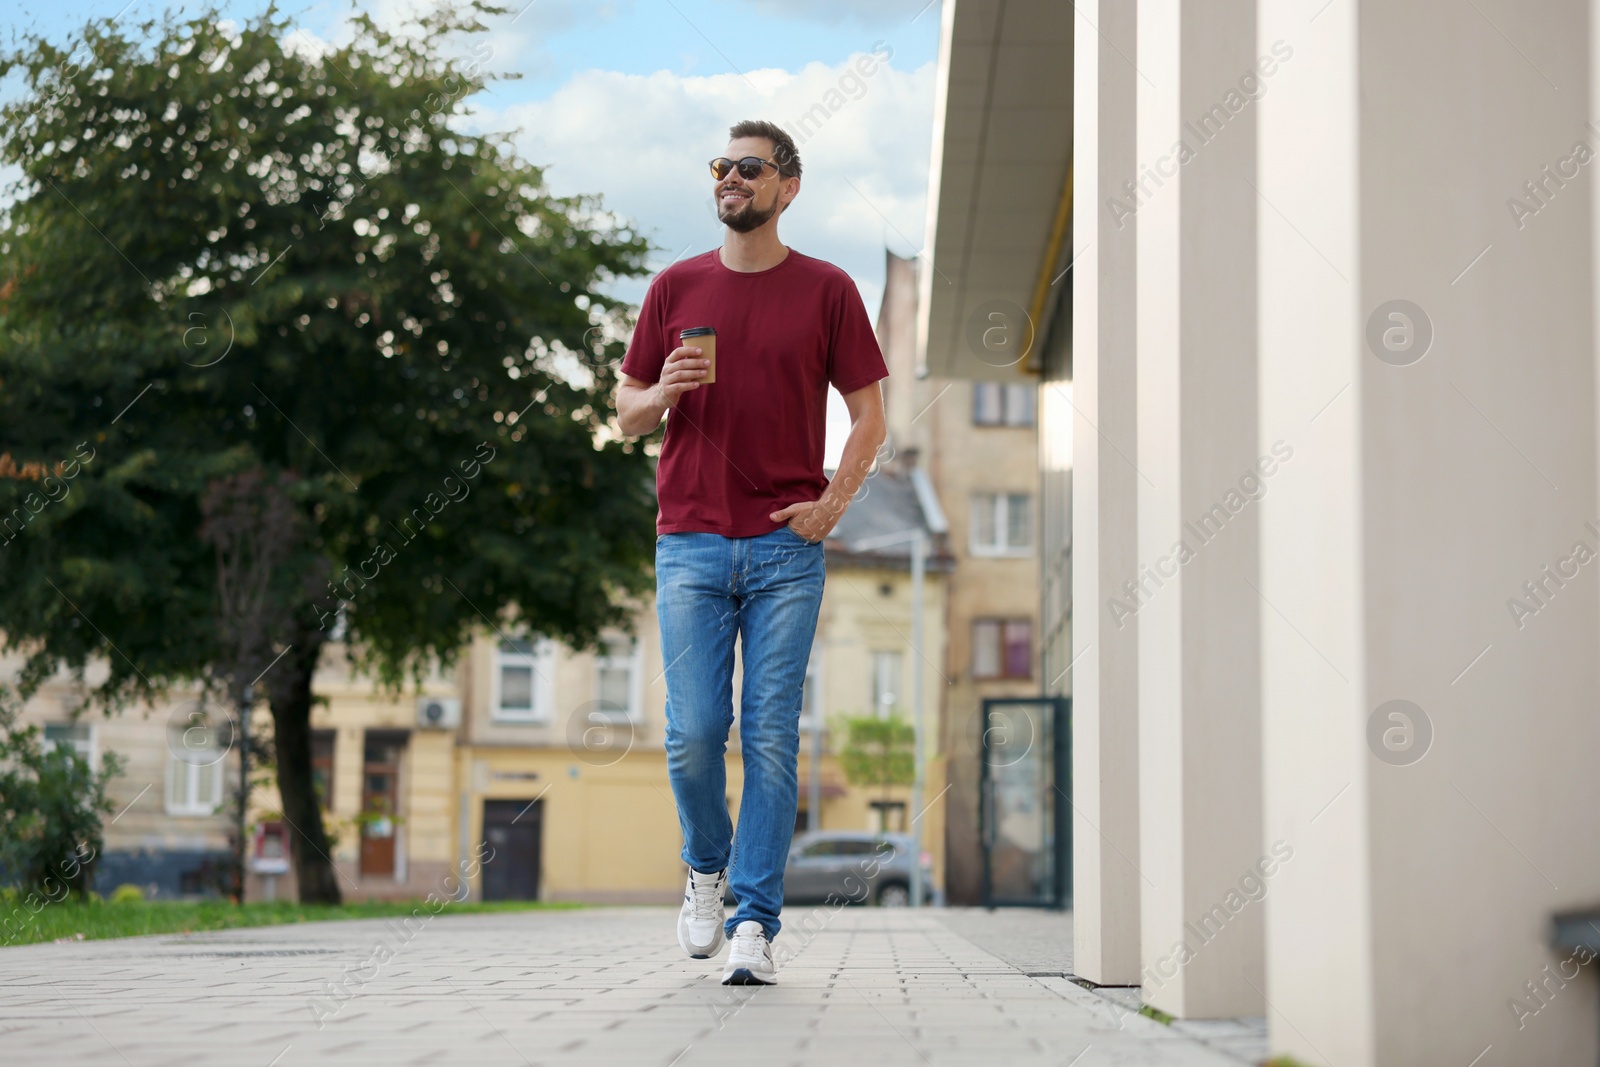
(749, 957)
(701, 918)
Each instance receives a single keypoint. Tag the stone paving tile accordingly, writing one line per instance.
(597, 986)
(1029, 939)
(1039, 943)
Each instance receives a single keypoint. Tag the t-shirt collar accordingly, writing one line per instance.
(716, 257)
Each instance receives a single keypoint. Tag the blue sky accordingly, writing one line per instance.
(628, 99)
(714, 55)
(631, 36)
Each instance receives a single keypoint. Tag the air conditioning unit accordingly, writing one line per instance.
(438, 713)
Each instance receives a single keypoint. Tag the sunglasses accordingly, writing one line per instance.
(750, 167)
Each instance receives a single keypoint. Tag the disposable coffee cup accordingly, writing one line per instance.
(705, 339)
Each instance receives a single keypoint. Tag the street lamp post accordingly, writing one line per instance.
(919, 551)
(814, 771)
(246, 698)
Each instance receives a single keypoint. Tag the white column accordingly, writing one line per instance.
(1319, 926)
(1201, 477)
(1105, 682)
(1427, 548)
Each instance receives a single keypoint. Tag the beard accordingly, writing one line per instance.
(745, 217)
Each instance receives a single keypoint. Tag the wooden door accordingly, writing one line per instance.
(380, 803)
(512, 828)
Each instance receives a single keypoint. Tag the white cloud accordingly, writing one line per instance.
(642, 141)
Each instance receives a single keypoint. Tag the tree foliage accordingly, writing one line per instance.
(239, 257)
(878, 751)
(51, 806)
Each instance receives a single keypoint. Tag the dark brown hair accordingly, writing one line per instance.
(784, 153)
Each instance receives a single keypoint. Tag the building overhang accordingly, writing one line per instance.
(999, 195)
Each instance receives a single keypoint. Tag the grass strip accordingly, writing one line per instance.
(97, 920)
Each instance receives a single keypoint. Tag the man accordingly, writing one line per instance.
(744, 509)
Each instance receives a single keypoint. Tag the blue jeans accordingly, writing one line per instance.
(767, 591)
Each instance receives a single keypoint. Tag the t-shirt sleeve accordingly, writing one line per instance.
(854, 359)
(647, 349)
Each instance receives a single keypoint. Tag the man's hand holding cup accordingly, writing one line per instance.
(682, 372)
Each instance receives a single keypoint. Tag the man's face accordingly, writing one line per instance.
(742, 205)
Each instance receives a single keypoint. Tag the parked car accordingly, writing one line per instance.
(855, 866)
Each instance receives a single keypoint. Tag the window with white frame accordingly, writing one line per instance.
(618, 671)
(1002, 524)
(523, 690)
(78, 736)
(1002, 404)
(811, 694)
(886, 677)
(195, 770)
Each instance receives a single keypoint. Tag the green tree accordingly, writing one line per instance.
(51, 807)
(242, 273)
(878, 751)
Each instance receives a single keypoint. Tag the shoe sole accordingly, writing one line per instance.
(745, 976)
(696, 952)
(711, 953)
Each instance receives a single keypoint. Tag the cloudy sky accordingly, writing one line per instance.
(629, 98)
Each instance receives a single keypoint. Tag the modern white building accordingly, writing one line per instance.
(1309, 291)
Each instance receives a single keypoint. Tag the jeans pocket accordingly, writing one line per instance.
(790, 531)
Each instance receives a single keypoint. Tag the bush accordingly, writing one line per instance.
(127, 894)
(51, 806)
(878, 751)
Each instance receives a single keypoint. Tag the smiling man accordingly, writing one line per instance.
(744, 508)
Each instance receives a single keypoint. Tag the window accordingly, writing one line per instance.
(74, 735)
(886, 675)
(835, 846)
(856, 847)
(1002, 648)
(1002, 404)
(617, 676)
(522, 688)
(888, 817)
(1002, 524)
(811, 695)
(1019, 648)
(322, 766)
(195, 768)
(1019, 522)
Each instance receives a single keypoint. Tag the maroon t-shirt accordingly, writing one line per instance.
(751, 442)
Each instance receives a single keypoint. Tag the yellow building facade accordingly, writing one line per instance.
(555, 759)
(169, 831)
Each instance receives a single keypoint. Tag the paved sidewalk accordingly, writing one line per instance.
(599, 986)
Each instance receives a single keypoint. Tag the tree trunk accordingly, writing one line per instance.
(289, 688)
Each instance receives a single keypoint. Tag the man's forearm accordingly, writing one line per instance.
(639, 411)
(855, 463)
